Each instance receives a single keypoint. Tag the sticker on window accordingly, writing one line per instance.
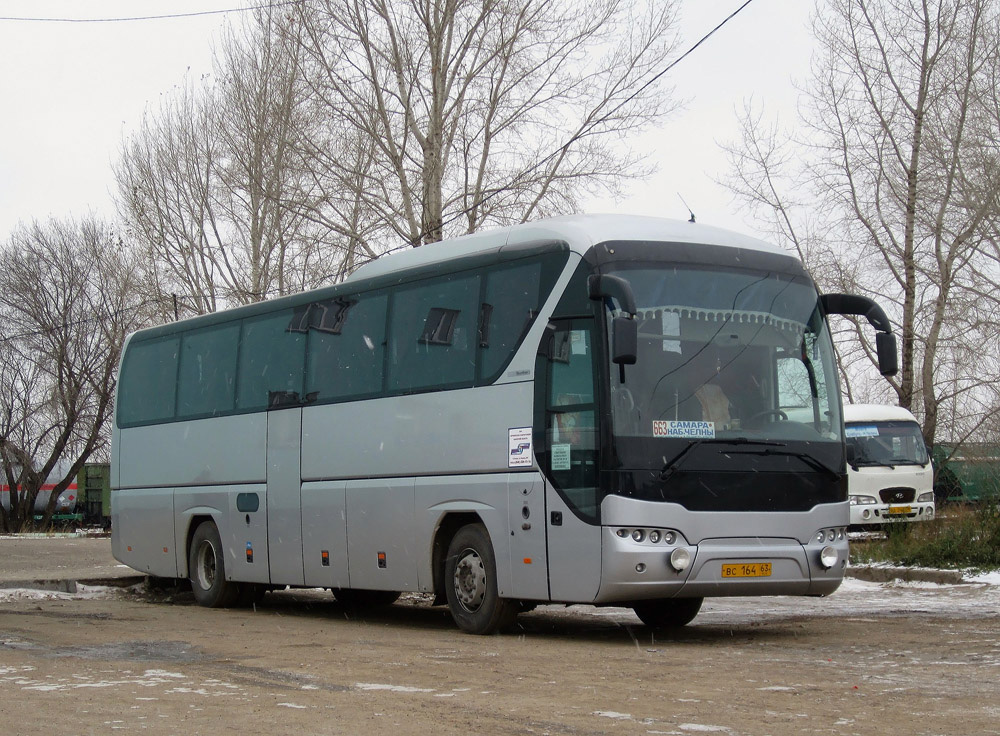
(519, 447)
(561, 457)
(687, 430)
(861, 430)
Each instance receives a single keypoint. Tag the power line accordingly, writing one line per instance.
(169, 16)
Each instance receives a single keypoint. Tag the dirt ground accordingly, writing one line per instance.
(879, 661)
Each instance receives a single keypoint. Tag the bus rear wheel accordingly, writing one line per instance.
(470, 574)
(207, 569)
(668, 614)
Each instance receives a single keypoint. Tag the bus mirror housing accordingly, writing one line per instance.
(606, 285)
(624, 340)
(885, 341)
(885, 346)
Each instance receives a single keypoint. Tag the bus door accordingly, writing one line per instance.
(570, 461)
(284, 504)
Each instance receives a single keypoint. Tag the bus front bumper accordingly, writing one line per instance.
(638, 569)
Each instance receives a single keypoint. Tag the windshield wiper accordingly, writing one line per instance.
(803, 456)
(675, 462)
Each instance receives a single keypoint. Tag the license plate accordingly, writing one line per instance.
(747, 570)
(900, 510)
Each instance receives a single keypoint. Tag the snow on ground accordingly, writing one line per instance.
(977, 597)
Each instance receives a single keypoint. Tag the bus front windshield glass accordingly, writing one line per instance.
(724, 354)
(886, 444)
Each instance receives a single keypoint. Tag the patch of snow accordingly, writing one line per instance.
(392, 688)
(703, 728)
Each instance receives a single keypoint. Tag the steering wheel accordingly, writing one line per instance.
(767, 413)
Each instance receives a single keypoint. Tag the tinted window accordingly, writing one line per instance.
(148, 382)
(347, 347)
(434, 334)
(510, 305)
(207, 378)
(271, 358)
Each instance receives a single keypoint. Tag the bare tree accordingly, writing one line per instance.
(900, 150)
(445, 115)
(68, 296)
(211, 182)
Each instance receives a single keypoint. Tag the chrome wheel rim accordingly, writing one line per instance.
(470, 580)
(205, 566)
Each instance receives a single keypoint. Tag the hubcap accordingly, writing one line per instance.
(205, 569)
(470, 580)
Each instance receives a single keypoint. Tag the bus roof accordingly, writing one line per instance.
(580, 232)
(876, 413)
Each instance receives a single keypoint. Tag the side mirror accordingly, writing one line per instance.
(885, 341)
(885, 346)
(624, 340)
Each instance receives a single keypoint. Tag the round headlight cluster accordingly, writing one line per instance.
(652, 536)
(837, 534)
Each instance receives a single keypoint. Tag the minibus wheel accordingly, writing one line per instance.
(207, 569)
(668, 614)
(470, 574)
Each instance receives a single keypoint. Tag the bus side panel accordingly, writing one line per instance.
(324, 534)
(197, 452)
(448, 432)
(221, 504)
(143, 520)
(574, 553)
(529, 570)
(482, 495)
(381, 545)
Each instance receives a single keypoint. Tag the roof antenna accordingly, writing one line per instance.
(690, 211)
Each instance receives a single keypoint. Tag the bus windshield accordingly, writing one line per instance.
(724, 355)
(886, 444)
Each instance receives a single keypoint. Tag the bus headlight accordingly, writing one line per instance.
(638, 535)
(680, 558)
(828, 557)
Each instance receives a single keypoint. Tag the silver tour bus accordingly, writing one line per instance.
(592, 409)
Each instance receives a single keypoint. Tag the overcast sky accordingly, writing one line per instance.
(69, 92)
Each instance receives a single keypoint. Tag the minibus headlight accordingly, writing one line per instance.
(828, 557)
(925, 497)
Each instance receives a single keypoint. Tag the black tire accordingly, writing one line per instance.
(352, 598)
(672, 613)
(207, 569)
(470, 575)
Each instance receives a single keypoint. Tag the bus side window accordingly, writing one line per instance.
(572, 425)
(510, 304)
(271, 358)
(207, 377)
(432, 335)
(148, 385)
(346, 356)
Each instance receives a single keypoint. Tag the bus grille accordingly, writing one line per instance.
(897, 495)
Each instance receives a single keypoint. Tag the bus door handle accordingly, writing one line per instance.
(556, 518)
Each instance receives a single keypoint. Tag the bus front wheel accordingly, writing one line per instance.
(668, 614)
(471, 584)
(207, 569)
